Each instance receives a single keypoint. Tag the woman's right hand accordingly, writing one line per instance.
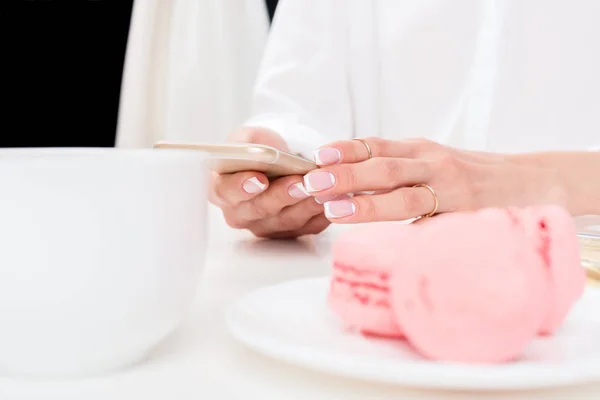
(278, 209)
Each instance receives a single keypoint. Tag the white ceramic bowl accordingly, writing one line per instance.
(100, 255)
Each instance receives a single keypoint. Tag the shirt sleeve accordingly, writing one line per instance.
(302, 90)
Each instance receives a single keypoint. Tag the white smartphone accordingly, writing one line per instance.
(229, 158)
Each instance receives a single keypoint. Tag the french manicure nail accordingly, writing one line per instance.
(327, 156)
(297, 191)
(253, 185)
(317, 181)
(339, 208)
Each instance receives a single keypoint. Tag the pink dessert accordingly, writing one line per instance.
(554, 234)
(470, 287)
(362, 262)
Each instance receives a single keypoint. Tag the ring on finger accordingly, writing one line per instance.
(436, 201)
(363, 141)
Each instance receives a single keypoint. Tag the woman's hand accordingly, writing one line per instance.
(276, 209)
(461, 180)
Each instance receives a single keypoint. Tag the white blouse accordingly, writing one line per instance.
(496, 75)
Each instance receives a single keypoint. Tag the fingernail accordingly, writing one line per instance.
(339, 208)
(317, 181)
(297, 191)
(327, 156)
(325, 199)
(253, 185)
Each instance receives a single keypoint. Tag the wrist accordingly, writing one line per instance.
(546, 176)
(573, 178)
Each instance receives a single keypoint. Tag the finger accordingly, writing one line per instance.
(373, 174)
(288, 219)
(352, 151)
(232, 189)
(315, 225)
(325, 199)
(398, 205)
(282, 193)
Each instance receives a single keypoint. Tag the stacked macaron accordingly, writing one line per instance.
(362, 266)
(464, 287)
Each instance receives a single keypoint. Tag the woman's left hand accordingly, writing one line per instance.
(460, 180)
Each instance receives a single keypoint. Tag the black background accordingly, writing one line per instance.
(61, 71)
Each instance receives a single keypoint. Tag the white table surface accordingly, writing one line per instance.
(201, 361)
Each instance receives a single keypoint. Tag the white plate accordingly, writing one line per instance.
(291, 322)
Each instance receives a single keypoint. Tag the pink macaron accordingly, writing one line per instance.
(470, 288)
(553, 233)
(359, 292)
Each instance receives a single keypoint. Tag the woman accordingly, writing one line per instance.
(510, 89)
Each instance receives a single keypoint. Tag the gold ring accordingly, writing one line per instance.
(366, 145)
(436, 201)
